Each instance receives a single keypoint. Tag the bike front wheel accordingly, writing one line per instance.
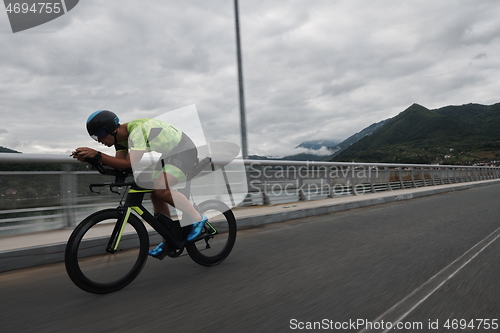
(96, 267)
(218, 235)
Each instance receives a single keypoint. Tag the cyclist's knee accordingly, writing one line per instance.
(161, 194)
(165, 181)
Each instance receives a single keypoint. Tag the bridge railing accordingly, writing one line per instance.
(285, 181)
(43, 200)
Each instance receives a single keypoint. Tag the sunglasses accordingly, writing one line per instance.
(99, 134)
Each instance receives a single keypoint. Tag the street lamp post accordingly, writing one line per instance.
(244, 145)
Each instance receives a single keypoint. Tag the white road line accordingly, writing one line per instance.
(403, 308)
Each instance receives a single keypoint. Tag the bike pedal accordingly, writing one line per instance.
(160, 255)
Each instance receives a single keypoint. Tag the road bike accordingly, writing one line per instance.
(109, 248)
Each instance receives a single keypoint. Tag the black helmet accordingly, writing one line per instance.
(102, 123)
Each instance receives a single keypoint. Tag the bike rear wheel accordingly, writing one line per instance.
(95, 268)
(218, 236)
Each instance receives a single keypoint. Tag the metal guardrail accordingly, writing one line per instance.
(269, 182)
(276, 180)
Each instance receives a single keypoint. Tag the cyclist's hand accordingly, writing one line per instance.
(83, 153)
(76, 155)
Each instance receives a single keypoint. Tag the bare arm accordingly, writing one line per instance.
(120, 161)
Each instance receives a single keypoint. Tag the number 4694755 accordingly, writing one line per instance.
(471, 324)
(36, 8)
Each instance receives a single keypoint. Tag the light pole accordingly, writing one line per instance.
(244, 145)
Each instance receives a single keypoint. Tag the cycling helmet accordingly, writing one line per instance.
(102, 123)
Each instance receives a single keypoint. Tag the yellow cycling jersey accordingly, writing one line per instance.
(150, 135)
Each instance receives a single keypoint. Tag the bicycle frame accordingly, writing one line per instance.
(133, 202)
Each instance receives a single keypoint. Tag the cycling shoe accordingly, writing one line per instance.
(197, 228)
(157, 251)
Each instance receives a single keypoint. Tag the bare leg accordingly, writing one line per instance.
(176, 199)
(162, 196)
(160, 206)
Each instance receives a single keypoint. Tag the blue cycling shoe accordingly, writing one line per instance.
(157, 251)
(196, 228)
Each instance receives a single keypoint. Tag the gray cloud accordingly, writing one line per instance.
(313, 69)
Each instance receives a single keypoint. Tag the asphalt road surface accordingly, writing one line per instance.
(429, 264)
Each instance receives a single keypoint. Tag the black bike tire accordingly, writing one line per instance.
(72, 261)
(197, 255)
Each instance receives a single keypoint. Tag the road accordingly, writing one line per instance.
(421, 261)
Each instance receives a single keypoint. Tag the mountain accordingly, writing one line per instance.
(453, 134)
(336, 150)
(334, 146)
(305, 157)
(8, 150)
(317, 144)
(296, 157)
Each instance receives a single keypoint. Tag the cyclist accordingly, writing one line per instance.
(131, 140)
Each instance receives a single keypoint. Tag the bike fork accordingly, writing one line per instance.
(117, 234)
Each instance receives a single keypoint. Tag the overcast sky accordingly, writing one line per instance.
(313, 69)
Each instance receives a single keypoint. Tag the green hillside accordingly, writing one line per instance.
(449, 135)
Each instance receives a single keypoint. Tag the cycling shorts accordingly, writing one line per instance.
(180, 161)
